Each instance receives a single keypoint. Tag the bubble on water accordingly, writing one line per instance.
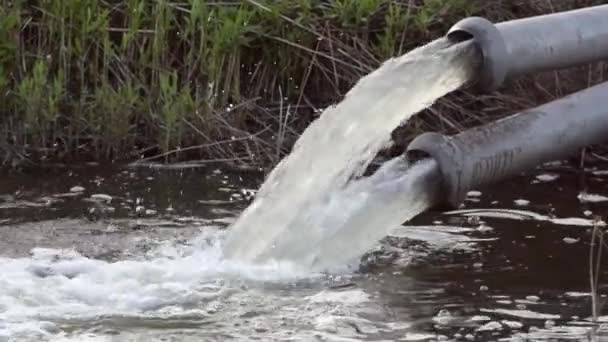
(512, 324)
(525, 314)
(480, 318)
(443, 317)
(150, 212)
(418, 337)
(570, 240)
(521, 202)
(490, 326)
(591, 198)
(561, 333)
(102, 197)
(525, 215)
(474, 193)
(547, 177)
(533, 298)
(483, 228)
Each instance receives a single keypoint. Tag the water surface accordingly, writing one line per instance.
(146, 266)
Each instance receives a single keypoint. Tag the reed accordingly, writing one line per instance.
(235, 81)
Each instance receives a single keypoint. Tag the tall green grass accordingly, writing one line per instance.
(233, 81)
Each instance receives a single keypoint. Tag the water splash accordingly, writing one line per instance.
(350, 221)
(337, 148)
(53, 289)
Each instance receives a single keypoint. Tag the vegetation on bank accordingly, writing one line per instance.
(232, 81)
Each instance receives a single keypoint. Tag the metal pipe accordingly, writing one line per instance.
(501, 149)
(534, 44)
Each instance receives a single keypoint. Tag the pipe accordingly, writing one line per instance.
(535, 44)
(501, 149)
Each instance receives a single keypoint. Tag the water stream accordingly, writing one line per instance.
(310, 204)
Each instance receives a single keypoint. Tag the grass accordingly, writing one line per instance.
(231, 81)
(597, 245)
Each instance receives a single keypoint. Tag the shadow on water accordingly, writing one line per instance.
(481, 273)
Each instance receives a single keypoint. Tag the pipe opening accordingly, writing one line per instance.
(459, 36)
(491, 47)
(414, 156)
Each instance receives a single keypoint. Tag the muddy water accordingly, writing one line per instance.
(116, 260)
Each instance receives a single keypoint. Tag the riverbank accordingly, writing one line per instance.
(233, 82)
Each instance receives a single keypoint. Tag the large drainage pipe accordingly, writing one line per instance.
(534, 44)
(495, 151)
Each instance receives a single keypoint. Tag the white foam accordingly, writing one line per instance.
(591, 198)
(526, 314)
(172, 280)
(351, 296)
(440, 236)
(490, 326)
(547, 177)
(557, 333)
(480, 318)
(570, 240)
(418, 337)
(512, 324)
(474, 193)
(526, 215)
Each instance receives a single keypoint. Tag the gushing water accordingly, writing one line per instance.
(314, 212)
(312, 209)
(351, 220)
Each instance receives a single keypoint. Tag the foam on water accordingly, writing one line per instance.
(527, 215)
(526, 314)
(334, 150)
(173, 281)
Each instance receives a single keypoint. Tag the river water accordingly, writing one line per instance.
(134, 255)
